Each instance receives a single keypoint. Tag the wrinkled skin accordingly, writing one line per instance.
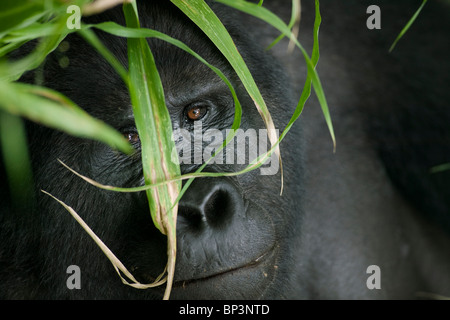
(237, 237)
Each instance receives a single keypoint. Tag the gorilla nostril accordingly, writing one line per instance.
(190, 216)
(209, 203)
(219, 208)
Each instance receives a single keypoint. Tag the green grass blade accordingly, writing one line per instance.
(31, 32)
(52, 109)
(154, 126)
(440, 168)
(202, 15)
(129, 32)
(12, 71)
(294, 18)
(13, 147)
(270, 18)
(118, 30)
(307, 87)
(14, 13)
(408, 25)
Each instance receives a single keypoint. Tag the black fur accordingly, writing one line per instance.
(237, 237)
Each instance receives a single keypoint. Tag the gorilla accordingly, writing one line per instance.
(368, 221)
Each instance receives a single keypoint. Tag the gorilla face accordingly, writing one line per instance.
(369, 204)
(231, 231)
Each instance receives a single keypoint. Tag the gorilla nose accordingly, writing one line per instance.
(218, 230)
(209, 203)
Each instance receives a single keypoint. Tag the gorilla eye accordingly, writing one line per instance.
(132, 137)
(196, 112)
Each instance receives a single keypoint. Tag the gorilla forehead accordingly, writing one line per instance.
(183, 76)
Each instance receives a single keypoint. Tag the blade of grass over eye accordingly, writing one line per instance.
(154, 126)
(202, 15)
(272, 19)
(52, 109)
(118, 30)
(408, 25)
(129, 32)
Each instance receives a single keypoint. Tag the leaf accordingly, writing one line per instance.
(119, 30)
(408, 25)
(12, 71)
(13, 147)
(440, 168)
(202, 15)
(15, 12)
(154, 126)
(270, 18)
(306, 92)
(52, 109)
(294, 21)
